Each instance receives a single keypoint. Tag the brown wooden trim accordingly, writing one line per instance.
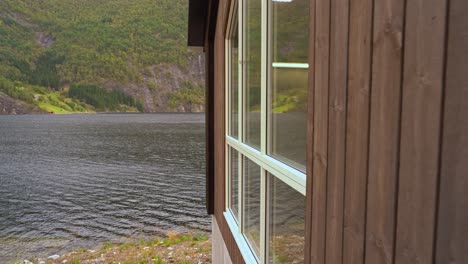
(226, 16)
(209, 109)
(197, 22)
(209, 124)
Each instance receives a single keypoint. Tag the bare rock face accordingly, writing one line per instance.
(10, 106)
(44, 40)
(162, 80)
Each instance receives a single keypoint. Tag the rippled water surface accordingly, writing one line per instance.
(74, 181)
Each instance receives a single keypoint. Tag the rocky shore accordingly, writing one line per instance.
(10, 106)
(174, 248)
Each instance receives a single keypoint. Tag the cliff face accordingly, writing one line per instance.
(9, 106)
(160, 83)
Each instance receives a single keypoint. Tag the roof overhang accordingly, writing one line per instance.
(198, 18)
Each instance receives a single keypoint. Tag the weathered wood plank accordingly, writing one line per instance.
(320, 151)
(420, 131)
(384, 130)
(452, 235)
(357, 140)
(337, 129)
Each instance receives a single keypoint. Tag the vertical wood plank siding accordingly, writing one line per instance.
(320, 143)
(452, 226)
(420, 130)
(384, 130)
(387, 150)
(388, 158)
(339, 15)
(357, 130)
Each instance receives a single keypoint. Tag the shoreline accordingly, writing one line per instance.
(100, 113)
(173, 248)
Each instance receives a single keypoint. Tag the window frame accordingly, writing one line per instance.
(269, 165)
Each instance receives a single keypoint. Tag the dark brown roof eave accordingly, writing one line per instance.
(198, 17)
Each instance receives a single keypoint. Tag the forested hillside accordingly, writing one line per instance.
(136, 48)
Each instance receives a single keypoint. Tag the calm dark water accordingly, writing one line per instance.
(74, 181)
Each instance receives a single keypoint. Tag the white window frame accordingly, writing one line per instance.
(268, 164)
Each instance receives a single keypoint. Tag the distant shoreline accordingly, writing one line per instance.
(100, 113)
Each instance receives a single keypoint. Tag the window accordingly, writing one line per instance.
(233, 78)
(252, 72)
(288, 89)
(266, 101)
(286, 226)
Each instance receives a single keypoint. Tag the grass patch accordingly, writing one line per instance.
(158, 260)
(107, 245)
(173, 248)
(200, 237)
(47, 107)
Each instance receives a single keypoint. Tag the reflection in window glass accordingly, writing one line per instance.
(234, 184)
(234, 77)
(253, 32)
(288, 94)
(251, 204)
(286, 223)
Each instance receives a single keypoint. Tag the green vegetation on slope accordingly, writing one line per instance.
(55, 43)
(42, 98)
(102, 99)
(187, 96)
(79, 99)
(90, 39)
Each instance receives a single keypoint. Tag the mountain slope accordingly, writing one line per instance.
(137, 47)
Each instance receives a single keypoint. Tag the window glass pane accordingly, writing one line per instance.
(286, 223)
(234, 183)
(251, 202)
(288, 94)
(234, 77)
(252, 72)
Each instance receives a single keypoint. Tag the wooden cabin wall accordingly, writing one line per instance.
(388, 132)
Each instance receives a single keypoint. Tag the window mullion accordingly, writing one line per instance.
(296, 179)
(263, 130)
(241, 74)
(228, 89)
(263, 216)
(228, 177)
(240, 190)
(264, 82)
(240, 113)
(228, 122)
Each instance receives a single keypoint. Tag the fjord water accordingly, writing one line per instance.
(74, 181)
